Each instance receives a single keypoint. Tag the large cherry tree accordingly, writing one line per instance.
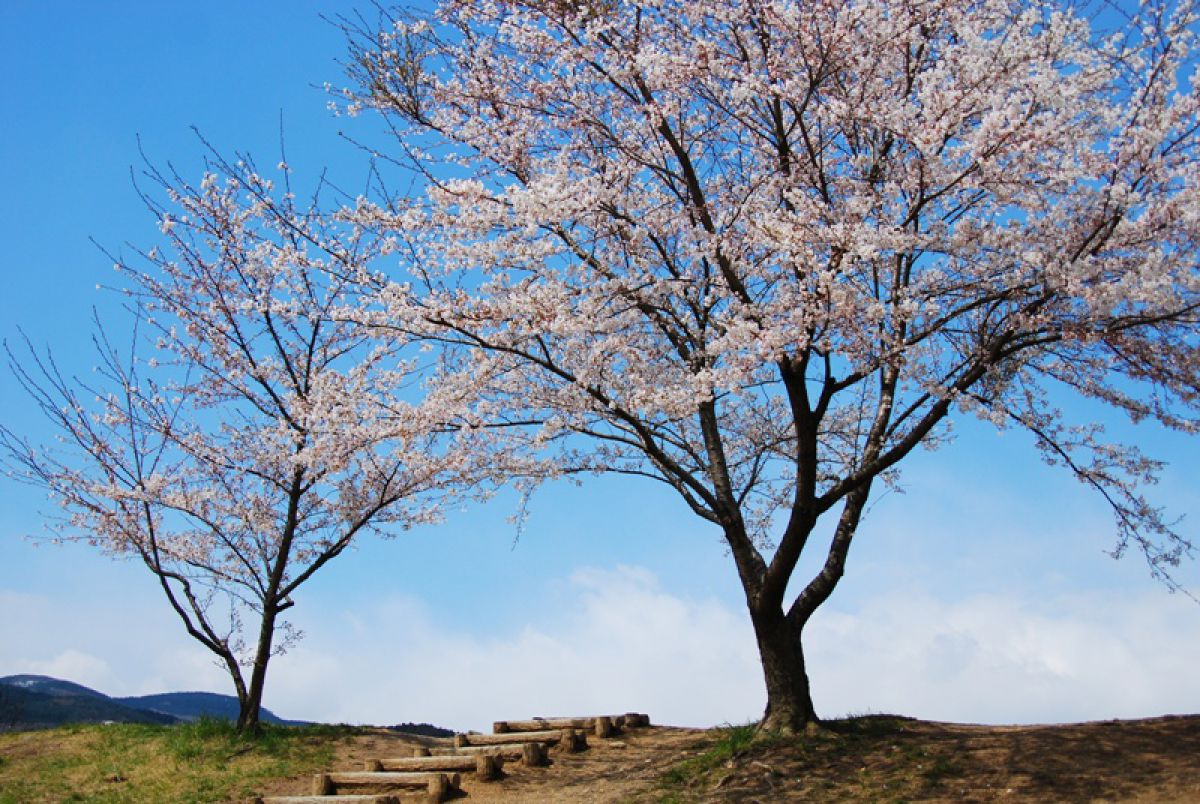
(250, 433)
(761, 251)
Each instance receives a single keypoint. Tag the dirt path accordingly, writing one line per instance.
(617, 770)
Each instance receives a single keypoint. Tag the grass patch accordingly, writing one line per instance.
(940, 767)
(870, 725)
(728, 743)
(203, 761)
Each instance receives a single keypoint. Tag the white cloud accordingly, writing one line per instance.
(624, 644)
(183, 668)
(114, 644)
(73, 665)
(999, 659)
(619, 641)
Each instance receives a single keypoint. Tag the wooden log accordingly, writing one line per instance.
(636, 720)
(451, 762)
(322, 785)
(507, 751)
(438, 785)
(591, 723)
(445, 762)
(395, 778)
(488, 767)
(330, 799)
(518, 752)
(603, 727)
(373, 766)
(421, 751)
(550, 737)
(573, 741)
(542, 724)
(534, 755)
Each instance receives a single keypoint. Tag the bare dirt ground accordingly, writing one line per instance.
(871, 759)
(896, 759)
(618, 769)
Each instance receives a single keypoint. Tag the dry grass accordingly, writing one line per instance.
(200, 762)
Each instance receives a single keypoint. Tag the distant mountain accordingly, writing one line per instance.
(38, 702)
(32, 702)
(50, 686)
(194, 705)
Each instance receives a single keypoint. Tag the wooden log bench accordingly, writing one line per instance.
(530, 754)
(352, 799)
(487, 767)
(437, 786)
(570, 740)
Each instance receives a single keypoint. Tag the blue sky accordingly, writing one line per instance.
(982, 593)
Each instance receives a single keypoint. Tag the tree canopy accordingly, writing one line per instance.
(762, 251)
(250, 431)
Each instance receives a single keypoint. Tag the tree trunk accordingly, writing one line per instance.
(789, 701)
(248, 710)
(251, 704)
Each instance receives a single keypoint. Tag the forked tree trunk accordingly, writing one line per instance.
(789, 701)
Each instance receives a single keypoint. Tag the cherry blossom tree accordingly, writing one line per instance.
(762, 251)
(250, 434)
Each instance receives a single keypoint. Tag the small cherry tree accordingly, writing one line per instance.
(761, 251)
(253, 434)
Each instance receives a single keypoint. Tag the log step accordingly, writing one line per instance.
(570, 739)
(600, 725)
(542, 724)
(438, 786)
(485, 766)
(356, 799)
(531, 754)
